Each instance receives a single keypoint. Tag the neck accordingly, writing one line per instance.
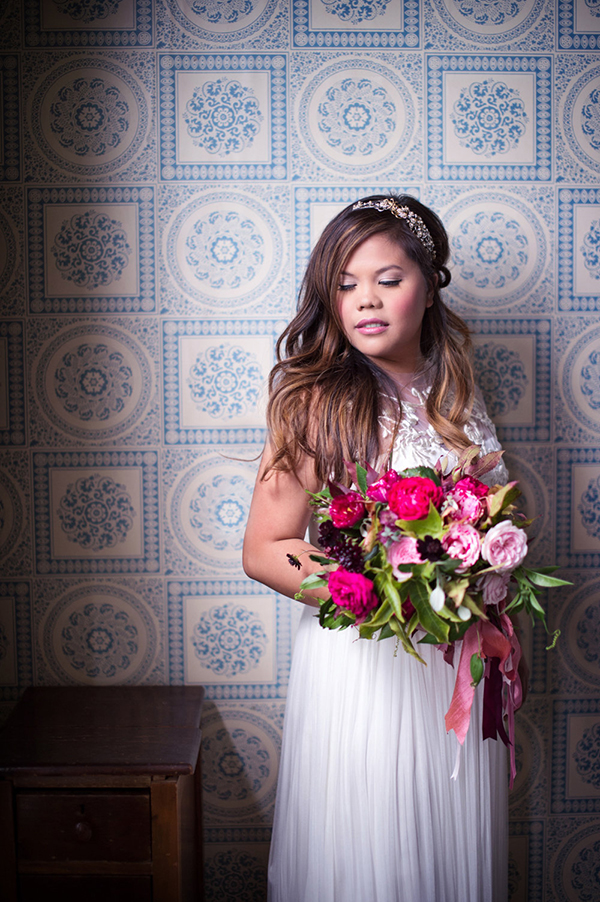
(404, 378)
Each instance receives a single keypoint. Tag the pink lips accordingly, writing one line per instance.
(371, 326)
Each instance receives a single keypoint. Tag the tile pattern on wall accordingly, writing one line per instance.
(165, 168)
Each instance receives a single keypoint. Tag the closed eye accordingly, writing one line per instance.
(348, 287)
(390, 283)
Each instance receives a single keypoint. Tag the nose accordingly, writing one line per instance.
(368, 297)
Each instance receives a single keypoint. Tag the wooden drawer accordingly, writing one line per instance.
(91, 889)
(76, 826)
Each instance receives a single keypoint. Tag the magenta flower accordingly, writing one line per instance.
(462, 542)
(378, 491)
(504, 546)
(410, 497)
(353, 592)
(470, 484)
(346, 510)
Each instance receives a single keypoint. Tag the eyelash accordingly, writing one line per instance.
(387, 283)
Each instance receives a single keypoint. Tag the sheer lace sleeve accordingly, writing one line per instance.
(418, 444)
(482, 431)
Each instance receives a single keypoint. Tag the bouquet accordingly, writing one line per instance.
(428, 556)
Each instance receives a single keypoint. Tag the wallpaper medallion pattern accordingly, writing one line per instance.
(165, 168)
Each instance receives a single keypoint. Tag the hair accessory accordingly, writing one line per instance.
(412, 219)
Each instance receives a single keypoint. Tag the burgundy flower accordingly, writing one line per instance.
(409, 498)
(430, 549)
(341, 547)
(346, 510)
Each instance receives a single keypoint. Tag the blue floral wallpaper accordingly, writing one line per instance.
(165, 167)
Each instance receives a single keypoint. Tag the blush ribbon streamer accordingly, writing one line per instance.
(503, 691)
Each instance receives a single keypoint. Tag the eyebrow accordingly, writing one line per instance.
(377, 272)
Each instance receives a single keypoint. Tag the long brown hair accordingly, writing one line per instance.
(326, 398)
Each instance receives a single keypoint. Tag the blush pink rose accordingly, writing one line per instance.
(353, 592)
(404, 551)
(346, 510)
(378, 491)
(462, 542)
(504, 546)
(410, 497)
(494, 587)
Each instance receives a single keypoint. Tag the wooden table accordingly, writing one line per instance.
(100, 795)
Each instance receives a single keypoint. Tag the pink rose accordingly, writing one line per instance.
(494, 587)
(378, 491)
(464, 505)
(404, 551)
(470, 484)
(504, 546)
(463, 543)
(353, 592)
(346, 510)
(411, 496)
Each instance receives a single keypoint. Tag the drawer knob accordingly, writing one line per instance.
(83, 831)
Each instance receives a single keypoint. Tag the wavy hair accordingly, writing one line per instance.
(326, 398)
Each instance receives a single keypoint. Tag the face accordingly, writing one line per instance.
(382, 298)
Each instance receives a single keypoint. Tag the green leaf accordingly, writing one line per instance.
(366, 631)
(502, 498)
(412, 624)
(428, 472)
(430, 526)
(428, 639)
(406, 643)
(319, 559)
(380, 615)
(547, 582)
(472, 605)
(450, 614)
(342, 622)
(430, 621)
(313, 581)
(449, 565)
(393, 598)
(361, 478)
(321, 498)
(456, 589)
(386, 632)
(535, 606)
(384, 585)
(477, 668)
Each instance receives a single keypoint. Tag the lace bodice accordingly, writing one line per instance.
(418, 444)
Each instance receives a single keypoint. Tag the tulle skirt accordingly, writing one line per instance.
(366, 808)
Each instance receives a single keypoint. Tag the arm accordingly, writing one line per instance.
(277, 523)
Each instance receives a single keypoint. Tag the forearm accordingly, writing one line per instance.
(270, 565)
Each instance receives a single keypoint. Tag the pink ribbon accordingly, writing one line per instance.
(503, 696)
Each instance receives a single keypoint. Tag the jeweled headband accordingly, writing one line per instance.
(412, 219)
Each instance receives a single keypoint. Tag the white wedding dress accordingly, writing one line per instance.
(366, 807)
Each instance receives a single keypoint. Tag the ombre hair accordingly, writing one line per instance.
(326, 398)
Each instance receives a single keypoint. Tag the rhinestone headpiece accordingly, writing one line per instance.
(412, 219)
